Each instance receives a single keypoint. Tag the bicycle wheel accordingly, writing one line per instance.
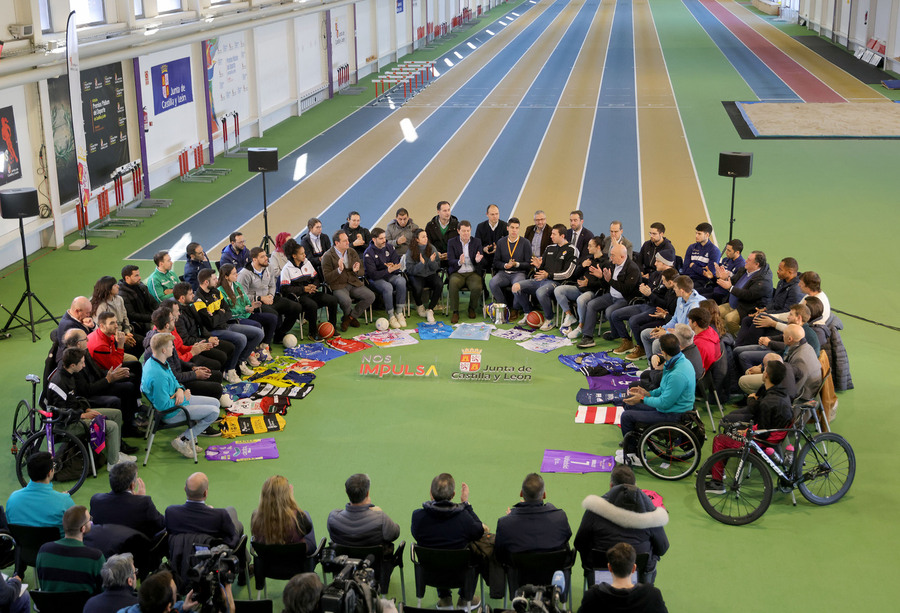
(828, 466)
(23, 425)
(70, 457)
(669, 451)
(747, 485)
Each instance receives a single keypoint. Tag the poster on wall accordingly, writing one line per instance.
(105, 124)
(227, 77)
(399, 6)
(10, 165)
(171, 85)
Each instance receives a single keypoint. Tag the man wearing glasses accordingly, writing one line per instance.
(67, 565)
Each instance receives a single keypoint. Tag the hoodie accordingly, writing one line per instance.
(443, 524)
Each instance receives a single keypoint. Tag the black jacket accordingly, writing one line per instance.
(437, 238)
(532, 527)
(627, 282)
(351, 234)
(190, 326)
(445, 525)
(647, 255)
(315, 257)
(127, 509)
(757, 291)
(139, 305)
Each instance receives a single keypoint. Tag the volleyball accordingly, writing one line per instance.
(381, 324)
(289, 341)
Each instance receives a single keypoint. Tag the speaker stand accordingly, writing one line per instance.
(30, 323)
(266, 240)
(731, 217)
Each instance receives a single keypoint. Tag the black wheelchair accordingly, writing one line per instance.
(669, 450)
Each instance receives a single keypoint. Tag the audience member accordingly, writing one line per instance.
(38, 504)
(207, 350)
(106, 298)
(655, 244)
(300, 279)
(302, 594)
(622, 595)
(315, 243)
(197, 517)
(119, 580)
(490, 232)
(732, 260)
(164, 391)
(195, 262)
(586, 287)
(800, 355)
(749, 288)
(278, 259)
(688, 298)
(401, 232)
(464, 258)
(787, 292)
(139, 304)
(158, 594)
(512, 261)
(616, 238)
(162, 280)
(577, 235)
(78, 313)
(235, 252)
(656, 301)
(106, 343)
(246, 311)
(382, 267)
(259, 282)
(651, 377)
(705, 337)
(701, 255)
(623, 514)
(556, 266)
(279, 520)
(12, 597)
(618, 286)
(341, 269)
(532, 525)
(358, 235)
(538, 234)
(422, 267)
(127, 503)
(67, 565)
(441, 229)
(361, 524)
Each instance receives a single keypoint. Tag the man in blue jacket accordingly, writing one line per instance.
(675, 395)
(382, 266)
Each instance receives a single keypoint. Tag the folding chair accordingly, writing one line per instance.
(446, 569)
(157, 423)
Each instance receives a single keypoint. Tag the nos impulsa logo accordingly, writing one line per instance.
(383, 366)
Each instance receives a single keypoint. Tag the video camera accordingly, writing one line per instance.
(354, 588)
(541, 598)
(214, 567)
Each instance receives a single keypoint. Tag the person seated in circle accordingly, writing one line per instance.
(279, 520)
(423, 263)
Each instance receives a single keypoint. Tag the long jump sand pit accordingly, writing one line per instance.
(823, 120)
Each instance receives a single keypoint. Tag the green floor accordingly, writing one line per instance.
(814, 200)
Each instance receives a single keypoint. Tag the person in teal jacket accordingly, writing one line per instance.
(675, 395)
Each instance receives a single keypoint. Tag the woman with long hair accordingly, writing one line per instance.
(715, 319)
(106, 298)
(300, 280)
(422, 266)
(278, 520)
(244, 310)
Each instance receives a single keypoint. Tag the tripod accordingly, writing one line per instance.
(266, 238)
(29, 323)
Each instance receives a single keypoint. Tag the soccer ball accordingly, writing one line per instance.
(535, 319)
(289, 341)
(326, 330)
(382, 324)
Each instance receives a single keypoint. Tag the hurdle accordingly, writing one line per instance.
(414, 75)
(237, 151)
(343, 76)
(199, 173)
(100, 227)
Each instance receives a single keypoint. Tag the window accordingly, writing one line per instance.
(45, 15)
(88, 12)
(168, 6)
(138, 8)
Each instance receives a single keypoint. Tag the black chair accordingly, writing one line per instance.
(157, 423)
(282, 562)
(253, 606)
(28, 541)
(395, 560)
(59, 602)
(537, 569)
(597, 563)
(113, 539)
(710, 383)
(446, 569)
(7, 547)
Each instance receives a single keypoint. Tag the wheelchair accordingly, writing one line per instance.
(669, 450)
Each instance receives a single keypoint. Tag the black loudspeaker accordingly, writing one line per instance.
(735, 164)
(262, 159)
(18, 203)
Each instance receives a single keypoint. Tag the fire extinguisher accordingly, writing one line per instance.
(147, 122)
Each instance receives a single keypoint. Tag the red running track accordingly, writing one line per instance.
(805, 84)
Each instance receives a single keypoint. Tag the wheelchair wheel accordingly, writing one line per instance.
(828, 469)
(747, 488)
(669, 451)
(70, 457)
(23, 425)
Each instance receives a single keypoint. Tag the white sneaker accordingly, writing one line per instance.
(635, 460)
(524, 320)
(225, 401)
(568, 320)
(123, 457)
(395, 324)
(253, 361)
(620, 456)
(231, 376)
(246, 371)
(547, 325)
(183, 447)
(429, 316)
(401, 319)
(574, 332)
(421, 310)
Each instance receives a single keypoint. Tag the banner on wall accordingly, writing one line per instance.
(171, 84)
(227, 76)
(399, 6)
(10, 165)
(106, 134)
(81, 161)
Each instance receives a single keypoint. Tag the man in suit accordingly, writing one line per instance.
(197, 517)
(578, 236)
(341, 269)
(489, 232)
(464, 257)
(127, 504)
(315, 243)
(538, 234)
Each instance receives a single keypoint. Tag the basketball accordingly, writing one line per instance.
(326, 330)
(381, 324)
(535, 319)
(289, 341)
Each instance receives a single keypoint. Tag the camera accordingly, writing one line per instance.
(538, 599)
(354, 588)
(213, 567)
